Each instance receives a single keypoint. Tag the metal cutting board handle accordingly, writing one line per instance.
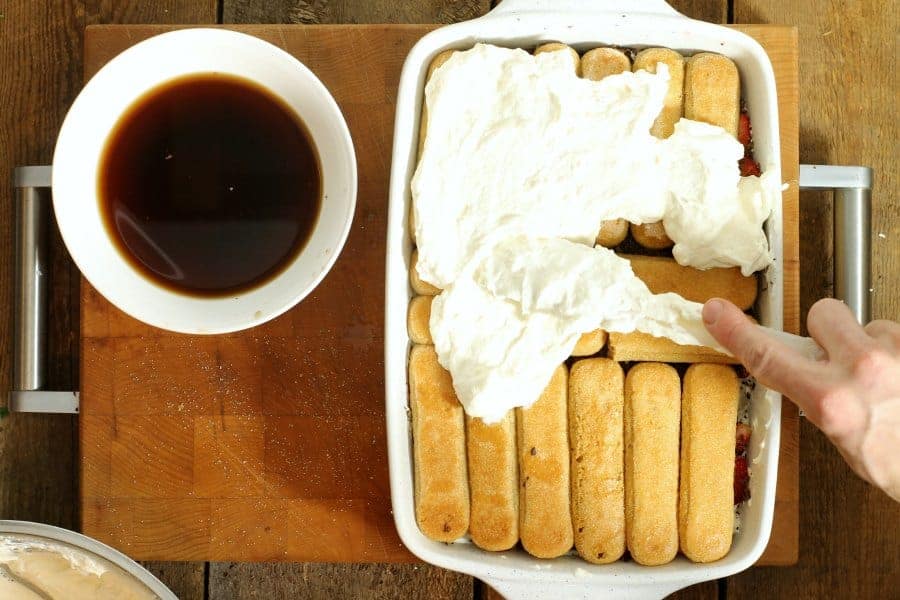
(852, 188)
(31, 289)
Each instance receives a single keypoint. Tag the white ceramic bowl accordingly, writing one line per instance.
(92, 117)
(583, 25)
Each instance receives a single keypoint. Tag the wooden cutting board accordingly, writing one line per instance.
(269, 444)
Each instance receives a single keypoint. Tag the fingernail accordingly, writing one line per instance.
(712, 310)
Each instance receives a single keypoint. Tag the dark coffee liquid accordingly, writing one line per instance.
(210, 185)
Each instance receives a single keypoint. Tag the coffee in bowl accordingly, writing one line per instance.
(209, 184)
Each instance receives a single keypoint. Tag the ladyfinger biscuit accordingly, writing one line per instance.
(602, 62)
(596, 404)
(652, 416)
(647, 60)
(417, 319)
(545, 524)
(589, 343)
(595, 65)
(712, 91)
(423, 288)
(651, 235)
(706, 494)
(612, 233)
(663, 274)
(436, 62)
(439, 449)
(493, 482)
(556, 46)
(638, 346)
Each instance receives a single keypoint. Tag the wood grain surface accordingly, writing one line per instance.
(848, 55)
(187, 580)
(264, 445)
(849, 532)
(329, 581)
(41, 61)
(317, 12)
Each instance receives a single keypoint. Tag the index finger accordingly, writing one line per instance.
(774, 364)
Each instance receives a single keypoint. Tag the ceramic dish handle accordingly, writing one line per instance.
(536, 590)
(852, 188)
(31, 288)
(652, 7)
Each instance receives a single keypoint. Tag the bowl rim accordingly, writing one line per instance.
(91, 546)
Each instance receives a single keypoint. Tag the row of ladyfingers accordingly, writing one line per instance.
(603, 461)
(704, 87)
(661, 275)
(595, 461)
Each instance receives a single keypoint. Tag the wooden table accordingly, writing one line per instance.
(849, 532)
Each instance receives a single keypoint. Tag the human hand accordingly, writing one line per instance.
(852, 394)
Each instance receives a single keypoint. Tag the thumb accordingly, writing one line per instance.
(774, 364)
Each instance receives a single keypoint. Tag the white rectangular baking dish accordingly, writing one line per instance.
(583, 25)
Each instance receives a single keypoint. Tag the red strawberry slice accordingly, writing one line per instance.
(748, 167)
(744, 130)
(741, 479)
